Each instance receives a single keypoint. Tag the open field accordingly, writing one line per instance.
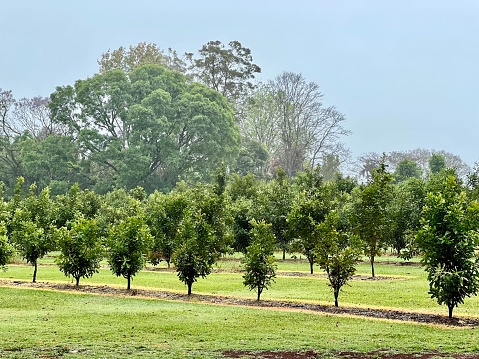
(47, 323)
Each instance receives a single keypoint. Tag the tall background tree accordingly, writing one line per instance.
(226, 69)
(146, 128)
(287, 116)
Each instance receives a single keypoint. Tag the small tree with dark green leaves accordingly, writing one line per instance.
(128, 243)
(259, 262)
(337, 252)
(81, 249)
(32, 226)
(448, 238)
(370, 218)
(195, 256)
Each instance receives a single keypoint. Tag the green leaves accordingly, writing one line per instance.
(128, 243)
(259, 262)
(146, 128)
(448, 238)
(81, 249)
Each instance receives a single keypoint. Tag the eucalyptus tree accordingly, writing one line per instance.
(127, 59)
(227, 69)
(148, 128)
(288, 117)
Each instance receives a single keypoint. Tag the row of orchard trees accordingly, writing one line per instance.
(331, 223)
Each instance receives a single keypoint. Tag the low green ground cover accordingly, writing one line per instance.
(42, 323)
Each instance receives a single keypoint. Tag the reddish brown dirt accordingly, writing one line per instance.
(340, 355)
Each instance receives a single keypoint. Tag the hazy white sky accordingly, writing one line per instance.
(405, 72)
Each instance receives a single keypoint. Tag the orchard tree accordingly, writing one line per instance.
(274, 204)
(195, 255)
(259, 262)
(32, 226)
(164, 214)
(337, 253)
(308, 209)
(81, 249)
(370, 216)
(128, 243)
(448, 238)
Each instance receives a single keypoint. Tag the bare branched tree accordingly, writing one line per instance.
(300, 130)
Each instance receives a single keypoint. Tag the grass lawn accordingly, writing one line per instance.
(45, 323)
(48, 323)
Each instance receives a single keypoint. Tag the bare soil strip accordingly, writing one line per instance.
(399, 315)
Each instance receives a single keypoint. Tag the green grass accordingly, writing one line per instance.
(55, 324)
(79, 325)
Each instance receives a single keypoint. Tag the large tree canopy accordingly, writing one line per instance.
(146, 128)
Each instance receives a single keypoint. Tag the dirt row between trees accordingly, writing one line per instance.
(415, 317)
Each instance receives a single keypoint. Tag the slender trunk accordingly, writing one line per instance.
(35, 271)
(336, 295)
(168, 262)
(284, 253)
(128, 281)
(372, 265)
(451, 307)
(259, 293)
(78, 281)
(311, 262)
(189, 288)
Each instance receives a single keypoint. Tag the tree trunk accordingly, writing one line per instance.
(128, 281)
(284, 253)
(451, 307)
(311, 262)
(336, 295)
(259, 293)
(35, 271)
(78, 281)
(189, 288)
(372, 266)
(168, 262)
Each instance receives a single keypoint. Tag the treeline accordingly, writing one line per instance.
(332, 223)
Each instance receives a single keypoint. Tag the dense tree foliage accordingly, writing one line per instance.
(259, 262)
(448, 238)
(128, 243)
(80, 249)
(370, 215)
(196, 253)
(146, 128)
(337, 253)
